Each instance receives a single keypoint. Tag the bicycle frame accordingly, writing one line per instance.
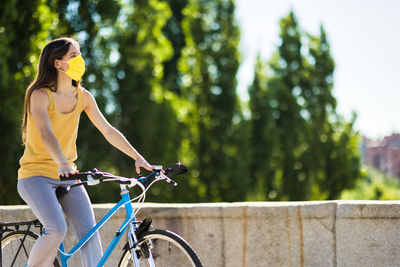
(94, 177)
(130, 217)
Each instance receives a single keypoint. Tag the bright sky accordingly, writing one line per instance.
(365, 43)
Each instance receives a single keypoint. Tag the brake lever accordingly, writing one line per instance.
(91, 180)
(168, 180)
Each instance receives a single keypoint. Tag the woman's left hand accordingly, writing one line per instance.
(141, 162)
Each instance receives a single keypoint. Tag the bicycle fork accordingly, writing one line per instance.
(134, 247)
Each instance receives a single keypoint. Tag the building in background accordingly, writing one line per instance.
(383, 154)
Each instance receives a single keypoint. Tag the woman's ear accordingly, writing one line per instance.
(57, 64)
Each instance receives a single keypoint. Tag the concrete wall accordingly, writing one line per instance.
(329, 233)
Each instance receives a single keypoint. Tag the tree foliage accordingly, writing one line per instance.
(209, 64)
(295, 123)
(262, 164)
(375, 186)
(163, 72)
(23, 26)
(143, 105)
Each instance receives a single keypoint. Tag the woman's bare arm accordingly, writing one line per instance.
(112, 135)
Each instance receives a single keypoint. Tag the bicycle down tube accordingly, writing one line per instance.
(125, 201)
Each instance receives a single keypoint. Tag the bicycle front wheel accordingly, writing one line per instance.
(16, 246)
(164, 248)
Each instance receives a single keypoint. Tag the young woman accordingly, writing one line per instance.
(53, 104)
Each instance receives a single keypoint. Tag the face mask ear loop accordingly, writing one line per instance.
(60, 67)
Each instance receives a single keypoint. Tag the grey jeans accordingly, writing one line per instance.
(39, 193)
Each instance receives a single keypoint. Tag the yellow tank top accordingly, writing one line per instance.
(36, 160)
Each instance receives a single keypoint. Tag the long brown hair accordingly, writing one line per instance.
(46, 76)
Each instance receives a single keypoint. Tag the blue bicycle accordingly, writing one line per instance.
(144, 247)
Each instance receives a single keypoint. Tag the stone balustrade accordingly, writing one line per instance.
(313, 233)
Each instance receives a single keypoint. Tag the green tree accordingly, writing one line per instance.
(333, 141)
(23, 29)
(144, 110)
(208, 67)
(287, 67)
(312, 152)
(319, 107)
(262, 167)
(173, 31)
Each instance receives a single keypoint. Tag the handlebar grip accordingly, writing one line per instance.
(79, 176)
(127, 182)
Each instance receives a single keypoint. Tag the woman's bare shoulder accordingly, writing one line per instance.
(85, 91)
(39, 98)
(87, 97)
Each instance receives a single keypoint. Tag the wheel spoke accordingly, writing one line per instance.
(165, 249)
(16, 247)
(18, 250)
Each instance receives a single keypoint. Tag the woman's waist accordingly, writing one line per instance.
(42, 162)
(39, 154)
(40, 168)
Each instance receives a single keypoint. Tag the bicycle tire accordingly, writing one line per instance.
(15, 255)
(168, 249)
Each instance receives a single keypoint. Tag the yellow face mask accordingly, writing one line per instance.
(76, 68)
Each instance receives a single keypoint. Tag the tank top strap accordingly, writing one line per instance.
(79, 104)
(51, 104)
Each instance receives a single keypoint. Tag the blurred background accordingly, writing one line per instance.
(239, 91)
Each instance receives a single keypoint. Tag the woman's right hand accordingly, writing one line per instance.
(64, 169)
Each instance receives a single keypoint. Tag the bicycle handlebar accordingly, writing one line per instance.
(95, 176)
